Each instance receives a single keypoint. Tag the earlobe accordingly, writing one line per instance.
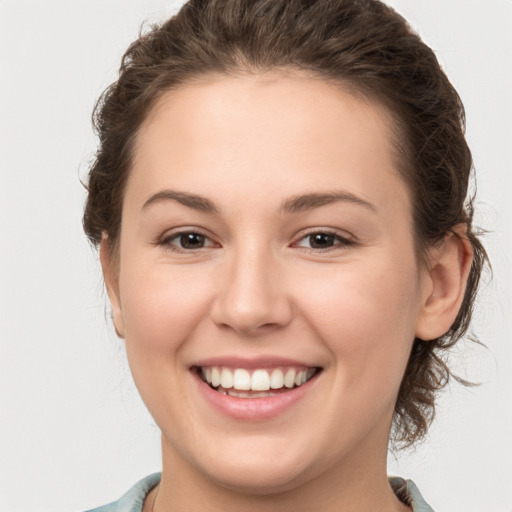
(447, 275)
(111, 277)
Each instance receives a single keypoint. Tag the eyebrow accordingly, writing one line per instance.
(307, 202)
(295, 204)
(193, 201)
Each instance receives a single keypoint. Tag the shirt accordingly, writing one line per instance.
(133, 500)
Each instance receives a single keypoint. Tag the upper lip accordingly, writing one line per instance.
(257, 362)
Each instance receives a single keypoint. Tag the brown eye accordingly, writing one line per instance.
(324, 240)
(191, 240)
(185, 241)
(321, 240)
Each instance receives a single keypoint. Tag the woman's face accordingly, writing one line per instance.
(267, 239)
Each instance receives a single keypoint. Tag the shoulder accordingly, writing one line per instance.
(133, 499)
(407, 492)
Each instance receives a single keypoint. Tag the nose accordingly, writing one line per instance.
(251, 296)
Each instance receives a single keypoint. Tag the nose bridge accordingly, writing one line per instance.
(252, 296)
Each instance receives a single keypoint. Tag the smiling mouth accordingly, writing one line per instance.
(255, 383)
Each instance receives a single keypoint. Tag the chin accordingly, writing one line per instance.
(259, 463)
(259, 477)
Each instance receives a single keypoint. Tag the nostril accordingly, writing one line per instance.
(251, 321)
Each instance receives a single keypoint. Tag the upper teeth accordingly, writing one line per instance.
(258, 380)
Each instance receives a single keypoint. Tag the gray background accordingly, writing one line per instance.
(73, 431)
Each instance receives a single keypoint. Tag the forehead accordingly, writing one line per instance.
(260, 101)
(292, 130)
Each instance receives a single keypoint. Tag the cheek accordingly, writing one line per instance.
(162, 305)
(366, 315)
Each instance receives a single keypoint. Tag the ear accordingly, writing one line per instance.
(445, 282)
(110, 269)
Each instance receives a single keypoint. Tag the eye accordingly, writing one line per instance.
(185, 241)
(323, 240)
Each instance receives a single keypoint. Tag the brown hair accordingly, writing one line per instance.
(360, 44)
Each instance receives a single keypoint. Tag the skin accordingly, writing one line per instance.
(248, 144)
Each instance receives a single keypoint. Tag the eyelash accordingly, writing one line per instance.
(342, 241)
(166, 241)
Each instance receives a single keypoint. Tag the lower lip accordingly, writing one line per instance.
(253, 408)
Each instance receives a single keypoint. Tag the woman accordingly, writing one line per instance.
(279, 200)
